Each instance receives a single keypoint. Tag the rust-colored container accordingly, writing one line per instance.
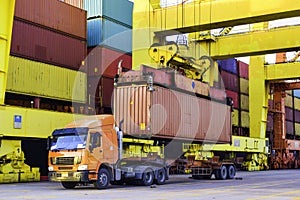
(235, 98)
(43, 45)
(76, 3)
(104, 61)
(166, 113)
(230, 81)
(243, 70)
(53, 14)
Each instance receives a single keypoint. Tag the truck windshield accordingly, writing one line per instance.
(69, 139)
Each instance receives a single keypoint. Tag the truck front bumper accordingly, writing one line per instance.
(81, 176)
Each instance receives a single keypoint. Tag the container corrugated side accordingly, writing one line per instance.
(108, 33)
(245, 119)
(104, 61)
(288, 101)
(244, 102)
(244, 86)
(289, 112)
(297, 103)
(43, 45)
(270, 122)
(118, 10)
(76, 3)
(243, 70)
(289, 127)
(53, 14)
(235, 117)
(230, 81)
(297, 129)
(165, 113)
(229, 65)
(297, 116)
(235, 98)
(44, 80)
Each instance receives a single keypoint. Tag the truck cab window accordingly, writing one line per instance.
(95, 141)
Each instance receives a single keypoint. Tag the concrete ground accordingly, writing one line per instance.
(281, 184)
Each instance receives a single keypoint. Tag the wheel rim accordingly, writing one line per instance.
(161, 175)
(103, 179)
(148, 177)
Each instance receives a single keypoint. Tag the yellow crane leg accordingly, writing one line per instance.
(6, 15)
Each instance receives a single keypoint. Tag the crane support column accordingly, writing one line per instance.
(6, 15)
(258, 97)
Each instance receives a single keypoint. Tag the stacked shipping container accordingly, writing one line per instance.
(109, 41)
(48, 48)
(234, 75)
(236, 82)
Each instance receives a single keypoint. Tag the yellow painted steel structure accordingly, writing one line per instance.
(19, 122)
(152, 23)
(6, 14)
(44, 80)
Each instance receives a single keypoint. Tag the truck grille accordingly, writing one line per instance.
(65, 160)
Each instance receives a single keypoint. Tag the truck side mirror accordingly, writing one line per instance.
(48, 143)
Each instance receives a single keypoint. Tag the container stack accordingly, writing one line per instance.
(109, 41)
(47, 52)
(236, 82)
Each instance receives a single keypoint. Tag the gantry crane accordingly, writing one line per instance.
(18, 122)
(153, 23)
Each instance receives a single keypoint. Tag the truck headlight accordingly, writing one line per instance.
(53, 161)
(50, 168)
(82, 167)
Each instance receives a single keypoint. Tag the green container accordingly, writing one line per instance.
(43, 80)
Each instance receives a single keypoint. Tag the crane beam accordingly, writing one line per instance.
(282, 71)
(255, 43)
(206, 15)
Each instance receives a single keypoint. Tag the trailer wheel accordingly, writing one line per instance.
(103, 179)
(148, 177)
(69, 185)
(221, 174)
(161, 176)
(230, 172)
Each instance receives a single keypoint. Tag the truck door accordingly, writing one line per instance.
(95, 146)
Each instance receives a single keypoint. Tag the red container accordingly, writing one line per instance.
(55, 15)
(166, 113)
(76, 3)
(289, 113)
(230, 81)
(243, 70)
(297, 116)
(104, 61)
(289, 128)
(235, 98)
(43, 45)
(100, 91)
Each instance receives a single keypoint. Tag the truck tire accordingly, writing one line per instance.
(161, 176)
(103, 179)
(69, 185)
(221, 174)
(230, 172)
(148, 177)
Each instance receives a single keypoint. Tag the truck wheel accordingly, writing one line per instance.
(230, 172)
(161, 176)
(221, 174)
(148, 177)
(103, 179)
(69, 185)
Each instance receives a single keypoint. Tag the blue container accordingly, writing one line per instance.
(297, 93)
(108, 33)
(229, 65)
(118, 10)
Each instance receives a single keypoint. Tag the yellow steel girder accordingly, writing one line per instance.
(282, 71)
(205, 15)
(6, 14)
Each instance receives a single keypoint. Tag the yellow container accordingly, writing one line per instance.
(290, 92)
(245, 119)
(297, 129)
(235, 117)
(244, 86)
(288, 100)
(44, 80)
(244, 102)
(297, 103)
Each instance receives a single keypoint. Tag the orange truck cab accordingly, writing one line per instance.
(89, 150)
